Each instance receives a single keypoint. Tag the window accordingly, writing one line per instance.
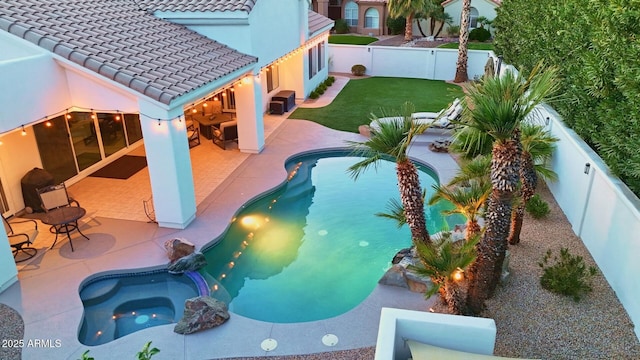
(321, 56)
(312, 63)
(371, 19)
(273, 77)
(473, 18)
(351, 13)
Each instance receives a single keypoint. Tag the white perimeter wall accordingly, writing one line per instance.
(602, 210)
(422, 63)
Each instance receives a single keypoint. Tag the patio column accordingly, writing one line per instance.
(169, 163)
(250, 112)
(8, 270)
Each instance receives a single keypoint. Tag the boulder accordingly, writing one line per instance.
(178, 247)
(401, 255)
(394, 277)
(190, 262)
(417, 283)
(364, 130)
(201, 313)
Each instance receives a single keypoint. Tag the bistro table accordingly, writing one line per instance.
(64, 220)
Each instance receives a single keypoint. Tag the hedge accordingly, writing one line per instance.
(596, 45)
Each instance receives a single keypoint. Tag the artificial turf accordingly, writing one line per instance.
(379, 96)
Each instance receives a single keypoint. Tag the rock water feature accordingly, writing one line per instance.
(201, 312)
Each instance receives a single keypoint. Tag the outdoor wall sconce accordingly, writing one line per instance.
(546, 121)
(587, 167)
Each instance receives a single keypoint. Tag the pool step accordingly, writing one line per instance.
(99, 291)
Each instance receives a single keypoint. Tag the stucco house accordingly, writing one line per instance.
(486, 8)
(83, 81)
(369, 17)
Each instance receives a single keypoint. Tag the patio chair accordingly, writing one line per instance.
(55, 196)
(441, 119)
(193, 137)
(227, 131)
(21, 234)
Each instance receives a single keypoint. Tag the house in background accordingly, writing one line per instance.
(486, 8)
(369, 17)
(82, 83)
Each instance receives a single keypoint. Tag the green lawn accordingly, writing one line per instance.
(351, 39)
(472, 46)
(362, 97)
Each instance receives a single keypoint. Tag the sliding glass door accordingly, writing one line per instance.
(73, 142)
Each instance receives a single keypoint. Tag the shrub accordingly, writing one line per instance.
(329, 81)
(453, 30)
(537, 207)
(341, 27)
(322, 86)
(568, 276)
(479, 34)
(314, 95)
(320, 90)
(358, 70)
(396, 26)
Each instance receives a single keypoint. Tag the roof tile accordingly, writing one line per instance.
(121, 40)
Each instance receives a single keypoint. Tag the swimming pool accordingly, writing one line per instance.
(309, 250)
(312, 249)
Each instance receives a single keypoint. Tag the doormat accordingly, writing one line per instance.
(122, 168)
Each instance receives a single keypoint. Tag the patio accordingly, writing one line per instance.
(121, 238)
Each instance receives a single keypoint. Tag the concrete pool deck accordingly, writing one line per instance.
(47, 294)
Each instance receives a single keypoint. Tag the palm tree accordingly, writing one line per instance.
(537, 147)
(467, 201)
(497, 106)
(392, 139)
(444, 262)
(461, 65)
(407, 9)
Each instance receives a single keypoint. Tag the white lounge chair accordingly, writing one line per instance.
(438, 120)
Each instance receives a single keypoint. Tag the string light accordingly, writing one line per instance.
(24, 132)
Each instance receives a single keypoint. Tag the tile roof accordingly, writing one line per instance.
(197, 5)
(317, 22)
(118, 40)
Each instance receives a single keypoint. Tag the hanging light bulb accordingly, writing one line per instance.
(117, 117)
(47, 123)
(69, 116)
(24, 132)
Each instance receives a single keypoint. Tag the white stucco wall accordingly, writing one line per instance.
(12, 171)
(602, 211)
(32, 85)
(422, 63)
(89, 93)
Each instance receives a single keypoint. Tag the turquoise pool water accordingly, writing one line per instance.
(309, 250)
(313, 249)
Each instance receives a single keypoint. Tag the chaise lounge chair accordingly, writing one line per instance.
(438, 120)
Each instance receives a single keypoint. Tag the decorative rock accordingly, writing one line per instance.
(201, 313)
(401, 255)
(440, 145)
(364, 130)
(394, 277)
(417, 283)
(190, 262)
(178, 247)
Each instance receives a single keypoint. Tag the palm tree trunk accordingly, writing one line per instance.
(473, 228)
(411, 198)
(454, 298)
(408, 28)
(461, 65)
(529, 181)
(484, 273)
